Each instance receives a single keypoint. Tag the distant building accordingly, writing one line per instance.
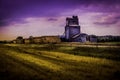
(14, 41)
(37, 40)
(46, 39)
(51, 39)
(27, 41)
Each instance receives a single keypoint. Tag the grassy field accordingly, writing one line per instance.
(59, 62)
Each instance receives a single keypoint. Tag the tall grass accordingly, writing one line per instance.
(56, 62)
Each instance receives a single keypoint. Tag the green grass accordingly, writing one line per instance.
(108, 53)
(58, 62)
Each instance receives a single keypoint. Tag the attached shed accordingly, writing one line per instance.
(92, 38)
(80, 37)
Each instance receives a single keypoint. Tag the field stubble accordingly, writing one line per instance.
(54, 62)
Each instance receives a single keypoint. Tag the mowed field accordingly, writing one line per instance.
(59, 62)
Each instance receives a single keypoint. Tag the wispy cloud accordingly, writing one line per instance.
(52, 19)
(108, 19)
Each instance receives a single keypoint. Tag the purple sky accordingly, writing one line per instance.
(47, 17)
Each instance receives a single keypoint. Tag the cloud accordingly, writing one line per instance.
(3, 23)
(109, 19)
(41, 8)
(52, 19)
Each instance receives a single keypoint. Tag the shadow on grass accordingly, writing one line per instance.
(14, 69)
(107, 53)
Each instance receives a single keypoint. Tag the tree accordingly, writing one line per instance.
(19, 40)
